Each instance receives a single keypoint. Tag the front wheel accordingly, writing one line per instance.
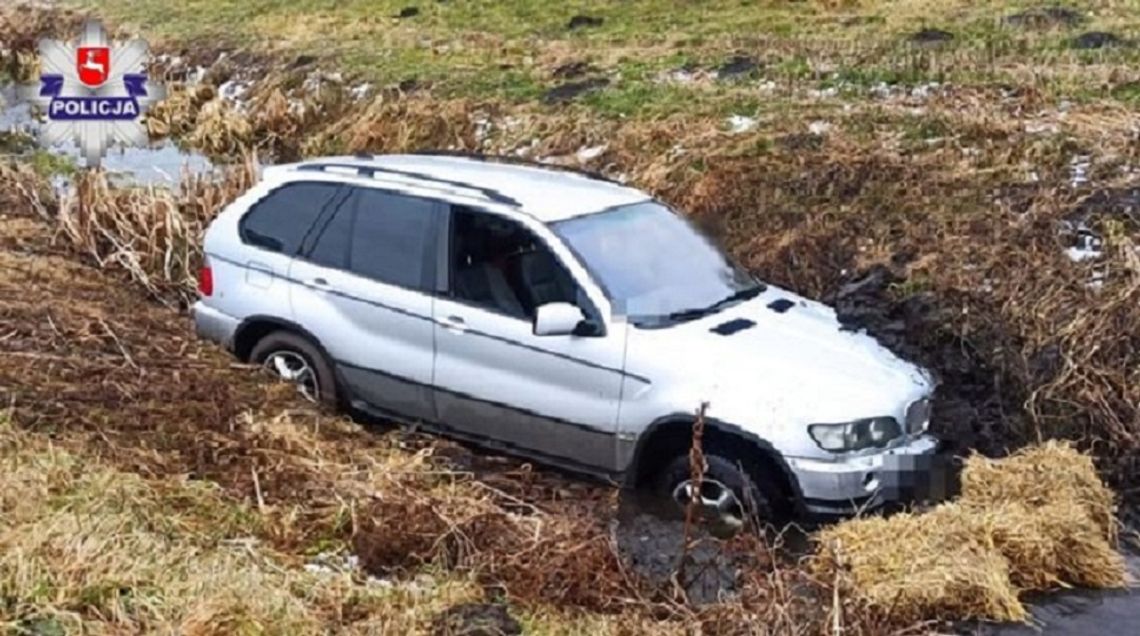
(294, 359)
(727, 496)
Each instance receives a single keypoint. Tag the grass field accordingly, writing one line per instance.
(511, 50)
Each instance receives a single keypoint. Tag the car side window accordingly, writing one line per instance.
(332, 244)
(280, 221)
(391, 236)
(499, 264)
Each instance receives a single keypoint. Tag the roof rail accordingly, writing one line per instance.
(371, 170)
(516, 161)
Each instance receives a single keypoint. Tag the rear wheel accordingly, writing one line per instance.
(294, 359)
(728, 498)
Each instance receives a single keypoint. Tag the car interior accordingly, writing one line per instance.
(500, 265)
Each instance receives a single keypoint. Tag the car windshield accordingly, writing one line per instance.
(654, 265)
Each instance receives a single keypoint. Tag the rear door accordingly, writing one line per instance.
(254, 278)
(362, 286)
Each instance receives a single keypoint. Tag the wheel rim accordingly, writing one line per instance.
(292, 367)
(715, 502)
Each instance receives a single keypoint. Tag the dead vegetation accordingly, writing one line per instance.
(1036, 521)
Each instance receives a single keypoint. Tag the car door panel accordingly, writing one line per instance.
(271, 233)
(379, 334)
(555, 395)
(552, 396)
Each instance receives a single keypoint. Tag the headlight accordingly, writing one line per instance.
(918, 416)
(857, 435)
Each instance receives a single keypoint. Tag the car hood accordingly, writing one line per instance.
(795, 364)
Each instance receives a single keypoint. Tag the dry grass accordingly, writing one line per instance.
(152, 233)
(220, 131)
(177, 115)
(1040, 520)
(87, 548)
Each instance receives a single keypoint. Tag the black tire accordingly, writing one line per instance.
(761, 501)
(328, 392)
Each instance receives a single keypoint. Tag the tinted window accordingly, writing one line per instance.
(280, 221)
(390, 237)
(332, 245)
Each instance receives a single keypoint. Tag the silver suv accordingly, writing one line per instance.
(561, 317)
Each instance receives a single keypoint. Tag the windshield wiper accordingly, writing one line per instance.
(682, 315)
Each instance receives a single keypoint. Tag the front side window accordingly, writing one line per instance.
(655, 267)
(500, 265)
(280, 221)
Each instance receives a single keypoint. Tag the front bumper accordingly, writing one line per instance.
(213, 325)
(849, 485)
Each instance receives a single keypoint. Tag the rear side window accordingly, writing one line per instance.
(391, 237)
(280, 221)
(332, 245)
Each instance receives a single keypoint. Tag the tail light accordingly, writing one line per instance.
(205, 280)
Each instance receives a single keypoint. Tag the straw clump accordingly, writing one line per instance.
(1036, 521)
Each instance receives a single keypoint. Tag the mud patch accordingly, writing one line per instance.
(651, 540)
(571, 70)
(930, 37)
(1045, 18)
(801, 142)
(968, 403)
(738, 67)
(570, 91)
(1097, 40)
(584, 22)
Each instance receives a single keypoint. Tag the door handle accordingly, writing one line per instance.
(453, 323)
(319, 282)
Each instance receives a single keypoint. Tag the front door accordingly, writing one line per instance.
(555, 397)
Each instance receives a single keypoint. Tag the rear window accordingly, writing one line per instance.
(280, 221)
(391, 238)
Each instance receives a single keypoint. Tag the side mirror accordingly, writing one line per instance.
(557, 319)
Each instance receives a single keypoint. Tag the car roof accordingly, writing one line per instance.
(547, 194)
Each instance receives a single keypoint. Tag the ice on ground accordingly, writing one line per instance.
(592, 152)
(1079, 170)
(819, 127)
(740, 123)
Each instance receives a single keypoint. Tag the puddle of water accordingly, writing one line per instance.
(161, 163)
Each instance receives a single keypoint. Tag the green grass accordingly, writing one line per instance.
(52, 164)
(506, 49)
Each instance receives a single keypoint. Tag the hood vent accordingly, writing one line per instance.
(733, 326)
(780, 305)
